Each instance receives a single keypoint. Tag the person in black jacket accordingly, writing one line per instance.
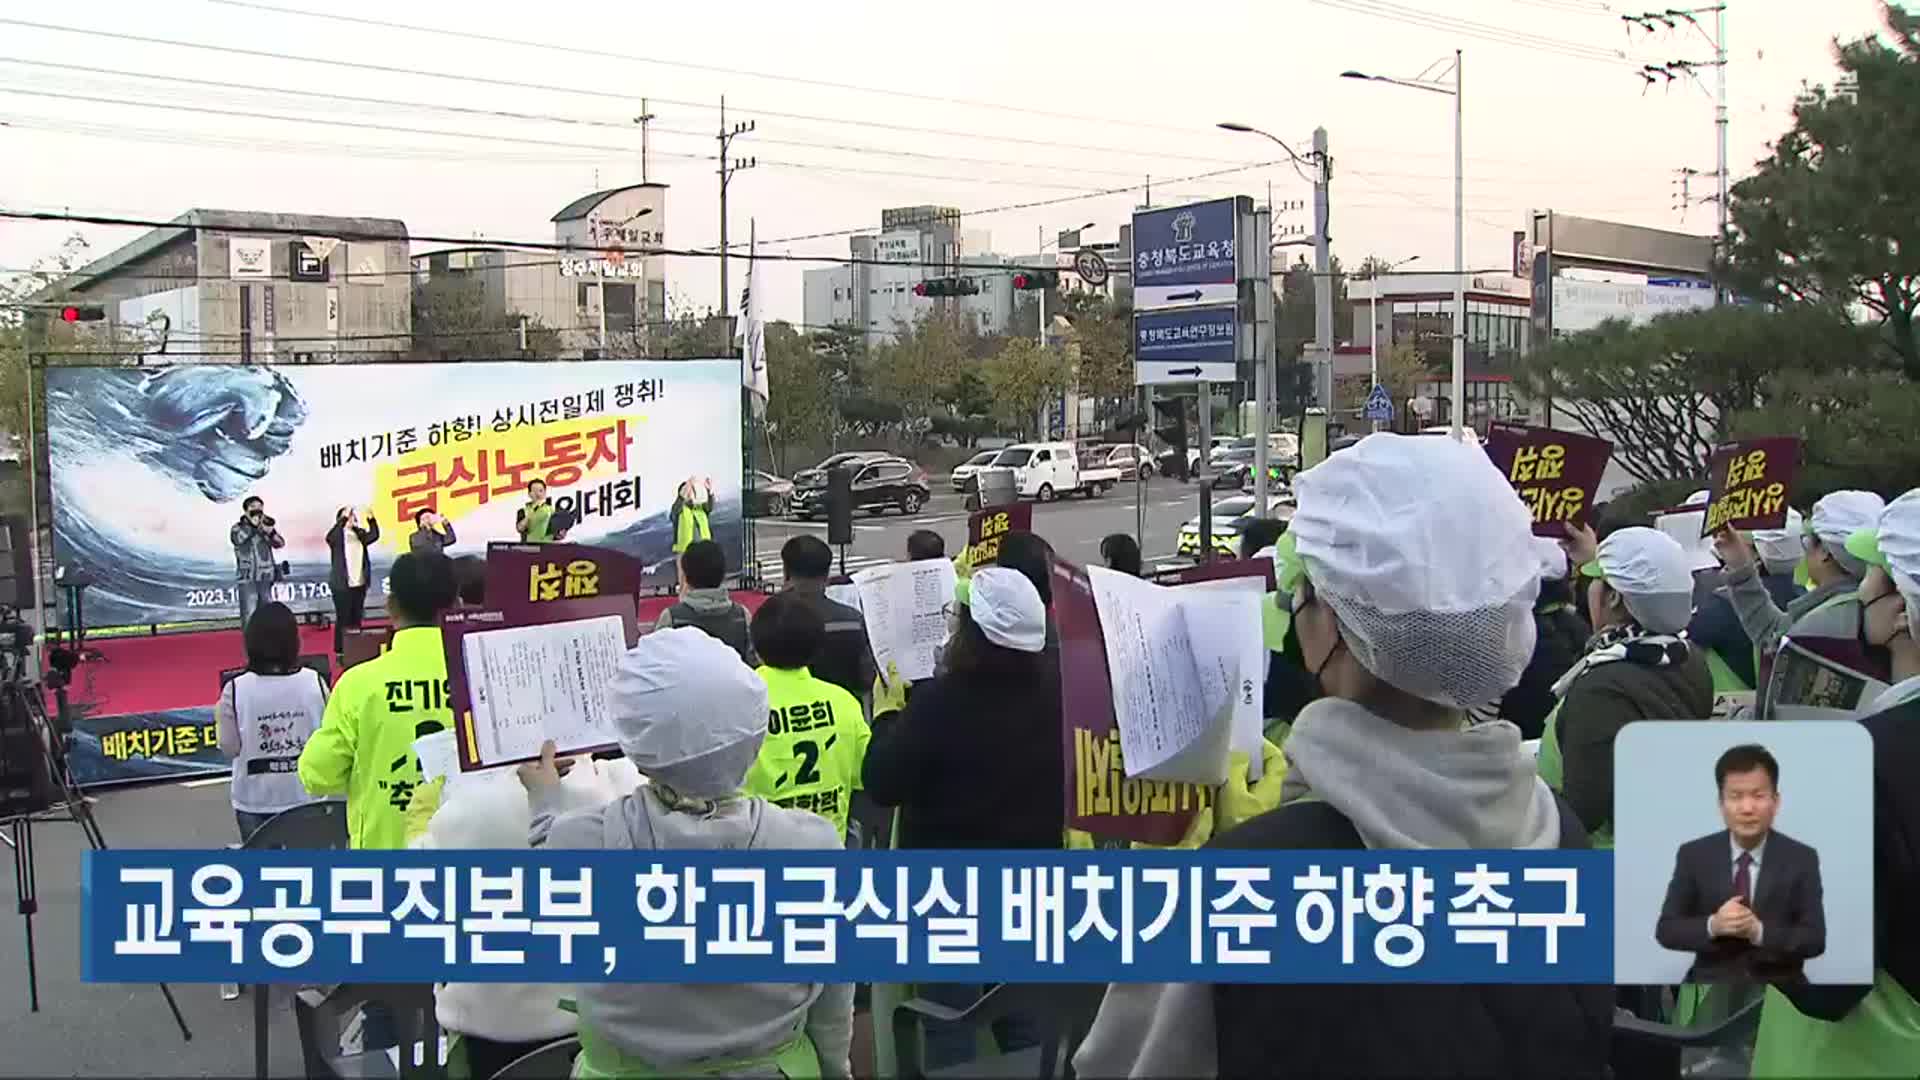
(1560, 637)
(846, 659)
(348, 543)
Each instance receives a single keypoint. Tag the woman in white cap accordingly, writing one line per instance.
(1416, 605)
(975, 760)
(1716, 626)
(691, 716)
(1832, 609)
(1637, 665)
(1873, 1030)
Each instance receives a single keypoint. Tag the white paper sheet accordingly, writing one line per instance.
(1175, 723)
(906, 607)
(845, 594)
(1230, 650)
(439, 755)
(528, 684)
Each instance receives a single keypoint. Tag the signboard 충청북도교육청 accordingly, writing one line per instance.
(1185, 287)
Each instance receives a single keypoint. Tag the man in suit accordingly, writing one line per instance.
(1745, 901)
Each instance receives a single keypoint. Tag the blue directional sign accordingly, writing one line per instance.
(1379, 404)
(1186, 345)
(1184, 255)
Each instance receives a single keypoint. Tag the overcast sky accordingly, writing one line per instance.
(979, 104)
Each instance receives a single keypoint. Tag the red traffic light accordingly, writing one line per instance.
(1035, 279)
(74, 314)
(919, 288)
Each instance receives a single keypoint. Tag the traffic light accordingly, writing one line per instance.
(950, 286)
(77, 313)
(1036, 279)
(1170, 423)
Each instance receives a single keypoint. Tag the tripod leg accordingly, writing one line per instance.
(29, 903)
(83, 813)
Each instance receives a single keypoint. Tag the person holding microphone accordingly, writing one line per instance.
(254, 538)
(348, 542)
(535, 520)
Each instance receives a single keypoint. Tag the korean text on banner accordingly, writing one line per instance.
(542, 573)
(1102, 799)
(1556, 473)
(987, 528)
(906, 607)
(1749, 483)
(876, 915)
(516, 679)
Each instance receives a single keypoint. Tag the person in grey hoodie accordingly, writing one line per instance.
(1416, 605)
(691, 716)
(704, 602)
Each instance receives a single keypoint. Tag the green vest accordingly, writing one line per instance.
(690, 526)
(816, 741)
(1553, 770)
(540, 523)
(1724, 679)
(1880, 1037)
(601, 1060)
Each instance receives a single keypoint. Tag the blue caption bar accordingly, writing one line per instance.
(869, 916)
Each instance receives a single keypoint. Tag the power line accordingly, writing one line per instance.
(691, 66)
(1501, 35)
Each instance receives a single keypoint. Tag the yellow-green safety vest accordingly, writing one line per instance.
(691, 525)
(1879, 1037)
(364, 748)
(816, 741)
(1725, 680)
(540, 523)
(1553, 770)
(601, 1060)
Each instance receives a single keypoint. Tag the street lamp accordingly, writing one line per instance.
(1434, 85)
(1373, 322)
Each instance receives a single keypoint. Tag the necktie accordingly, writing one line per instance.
(1743, 878)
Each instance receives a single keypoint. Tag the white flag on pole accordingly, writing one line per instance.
(753, 353)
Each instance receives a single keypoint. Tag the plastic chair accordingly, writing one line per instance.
(317, 826)
(321, 1014)
(1645, 1047)
(1064, 1012)
(553, 1061)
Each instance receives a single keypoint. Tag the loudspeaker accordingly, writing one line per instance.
(840, 506)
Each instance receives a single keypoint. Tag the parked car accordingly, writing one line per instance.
(1129, 458)
(1233, 469)
(849, 458)
(962, 477)
(1282, 446)
(1165, 462)
(769, 494)
(886, 483)
(1046, 471)
(1230, 515)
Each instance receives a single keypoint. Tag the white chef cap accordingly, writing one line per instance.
(1838, 516)
(1650, 571)
(1781, 548)
(1895, 546)
(1553, 559)
(688, 712)
(1007, 609)
(1425, 552)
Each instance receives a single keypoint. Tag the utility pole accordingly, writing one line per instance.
(645, 120)
(1322, 267)
(1673, 69)
(728, 167)
(1459, 255)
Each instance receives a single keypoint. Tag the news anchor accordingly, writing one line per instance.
(1745, 901)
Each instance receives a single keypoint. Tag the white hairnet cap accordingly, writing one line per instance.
(1007, 609)
(1650, 571)
(1425, 552)
(1899, 534)
(1781, 548)
(1553, 559)
(1841, 514)
(688, 712)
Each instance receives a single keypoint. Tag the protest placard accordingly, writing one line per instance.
(359, 644)
(987, 528)
(1749, 482)
(543, 573)
(1556, 473)
(906, 606)
(521, 676)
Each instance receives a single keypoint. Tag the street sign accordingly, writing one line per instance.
(1184, 255)
(1091, 267)
(1379, 404)
(1193, 345)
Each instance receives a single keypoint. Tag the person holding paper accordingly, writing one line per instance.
(1832, 609)
(1636, 665)
(923, 544)
(1413, 605)
(705, 603)
(846, 656)
(691, 717)
(1716, 625)
(816, 733)
(364, 748)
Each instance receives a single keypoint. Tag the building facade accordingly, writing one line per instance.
(1417, 309)
(250, 286)
(873, 292)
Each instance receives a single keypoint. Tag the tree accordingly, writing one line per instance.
(1294, 321)
(1832, 217)
(1023, 378)
(1104, 331)
(1659, 391)
(1402, 369)
(799, 408)
(451, 321)
(919, 367)
(688, 333)
(1858, 427)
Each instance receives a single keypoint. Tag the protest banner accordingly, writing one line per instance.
(520, 674)
(873, 915)
(1748, 483)
(542, 573)
(1556, 473)
(150, 466)
(987, 528)
(1102, 800)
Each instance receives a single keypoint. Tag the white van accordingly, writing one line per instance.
(1046, 471)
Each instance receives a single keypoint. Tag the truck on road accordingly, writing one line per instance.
(1046, 471)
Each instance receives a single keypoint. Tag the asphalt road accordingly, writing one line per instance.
(1074, 526)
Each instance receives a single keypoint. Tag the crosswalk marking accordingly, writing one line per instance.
(772, 571)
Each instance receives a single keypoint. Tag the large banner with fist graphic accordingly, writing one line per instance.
(151, 467)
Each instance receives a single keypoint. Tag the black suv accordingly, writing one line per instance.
(878, 484)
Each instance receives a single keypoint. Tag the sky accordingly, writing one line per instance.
(858, 105)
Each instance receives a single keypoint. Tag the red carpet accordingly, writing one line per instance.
(182, 671)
